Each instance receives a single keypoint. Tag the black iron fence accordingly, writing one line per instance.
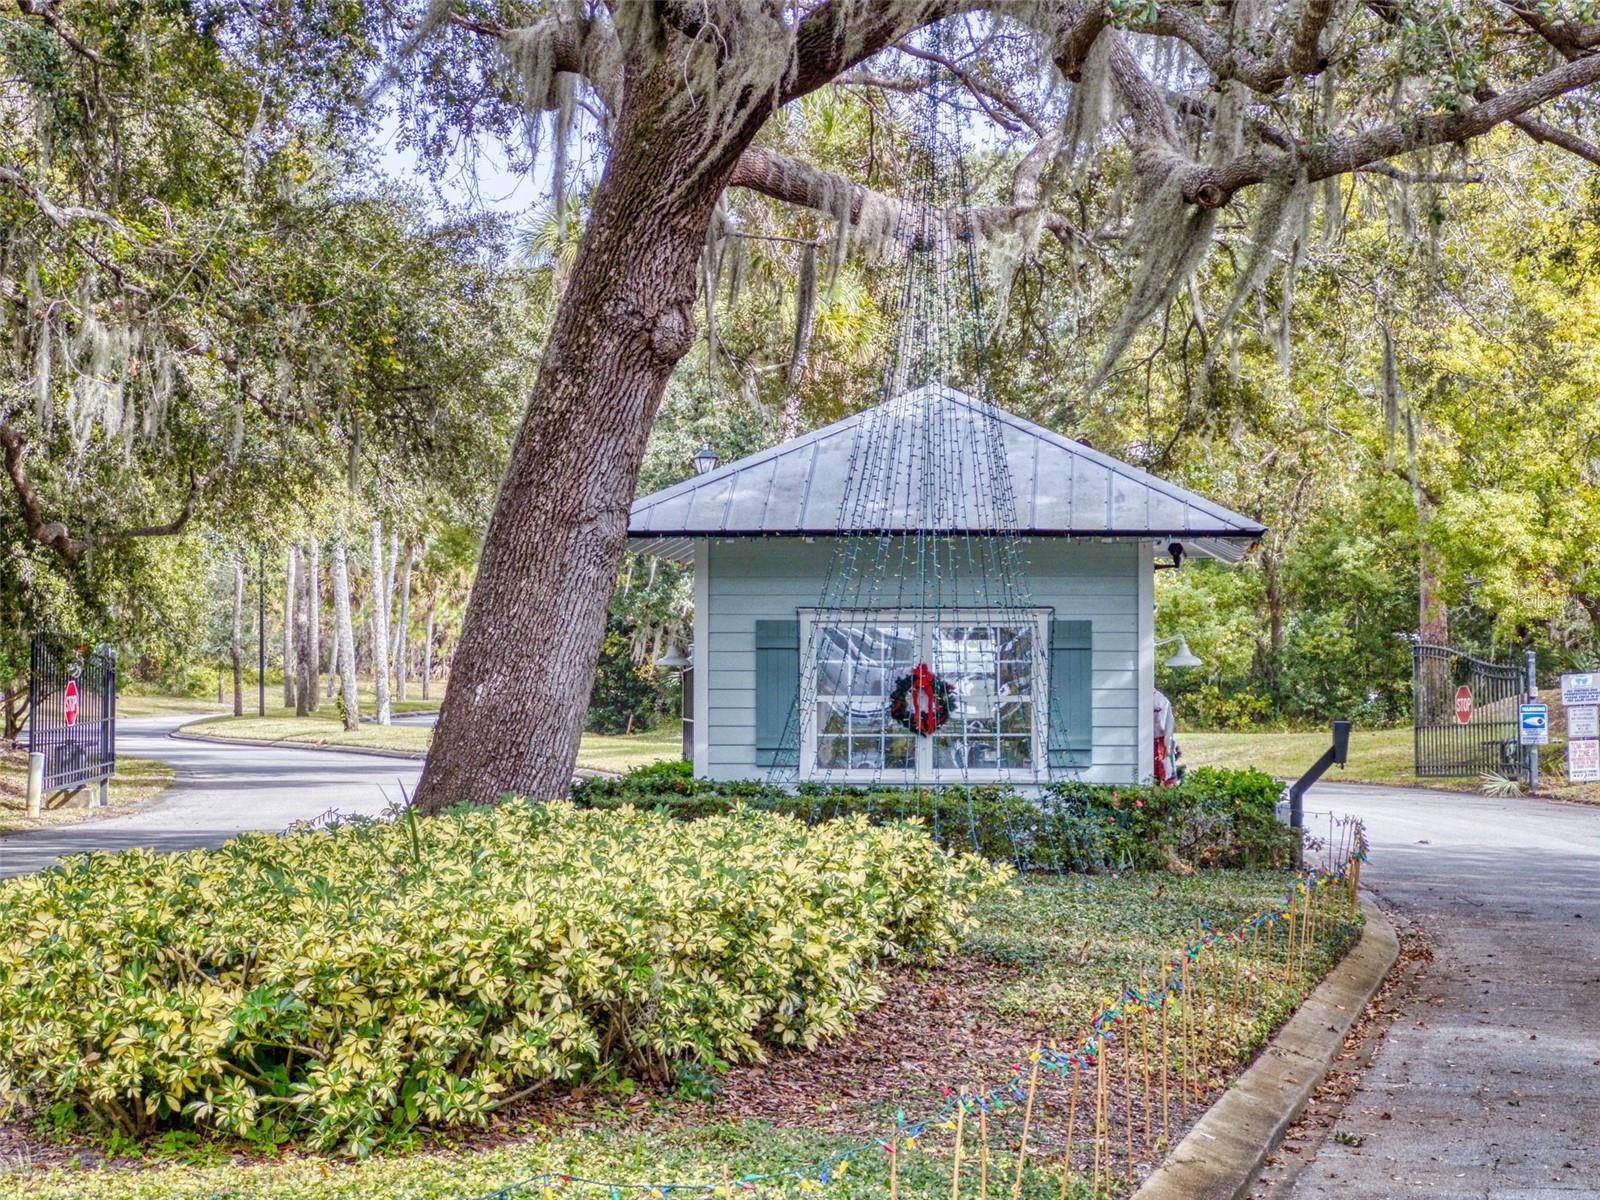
(72, 715)
(1467, 713)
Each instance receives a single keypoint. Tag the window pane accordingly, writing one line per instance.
(981, 754)
(832, 719)
(832, 644)
(868, 716)
(832, 753)
(833, 678)
(899, 753)
(1016, 642)
(1016, 752)
(1016, 718)
(949, 752)
(866, 754)
(1016, 679)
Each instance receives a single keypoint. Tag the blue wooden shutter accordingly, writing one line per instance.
(777, 689)
(1071, 694)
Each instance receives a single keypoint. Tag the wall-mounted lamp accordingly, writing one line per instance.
(1183, 657)
(1176, 550)
(705, 459)
(673, 660)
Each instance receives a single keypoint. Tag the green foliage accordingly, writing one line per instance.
(1215, 817)
(348, 984)
(627, 696)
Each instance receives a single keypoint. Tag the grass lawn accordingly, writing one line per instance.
(1041, 962)
(136, 779)
(600, 752)
(1383, 756)
(1376, 756)
(160, 706)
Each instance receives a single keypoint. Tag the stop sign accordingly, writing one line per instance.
(71, 705)
(1463, 704)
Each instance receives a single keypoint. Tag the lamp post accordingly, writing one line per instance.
(705, 459)
(261, 630)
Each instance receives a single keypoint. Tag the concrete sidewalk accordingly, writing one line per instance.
(221, 790)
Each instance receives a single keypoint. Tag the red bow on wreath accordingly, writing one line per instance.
(920, 701)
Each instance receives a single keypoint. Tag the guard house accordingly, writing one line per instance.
(931, 591)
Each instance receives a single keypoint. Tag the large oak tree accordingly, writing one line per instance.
(1205, 102)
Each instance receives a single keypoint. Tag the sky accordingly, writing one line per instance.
(498, 189)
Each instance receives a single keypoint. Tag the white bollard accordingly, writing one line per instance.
(35, 783)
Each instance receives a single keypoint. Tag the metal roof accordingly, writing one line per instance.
(1062, 487)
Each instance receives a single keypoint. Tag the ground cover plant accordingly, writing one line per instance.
(345, 985)
(1215, 817)
(1042, 958)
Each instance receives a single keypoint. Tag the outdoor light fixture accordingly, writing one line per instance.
(705, 459)
(1175, 549)
(1182, 657)
(673, 659)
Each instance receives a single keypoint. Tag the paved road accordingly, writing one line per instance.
(1488, 1084)
(221, 790)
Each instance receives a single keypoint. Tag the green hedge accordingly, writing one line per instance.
(1214, 818)
(346, 984)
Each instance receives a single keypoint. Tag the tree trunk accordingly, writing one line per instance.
(427, 647)
(400, 629)
(524, 664)
(380, 625)
(234, 649)
(305, 664)
(333, 655)
(388, 593)
(290, 572)
(314, 618)
(344, 637)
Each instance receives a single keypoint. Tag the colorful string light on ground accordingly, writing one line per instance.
(1272, 949)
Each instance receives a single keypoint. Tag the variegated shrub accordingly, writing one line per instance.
(347, 983)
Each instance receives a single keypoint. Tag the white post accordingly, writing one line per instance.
(35, 783)
(102, 794)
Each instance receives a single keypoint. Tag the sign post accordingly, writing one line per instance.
(1580, 696)
(1533, 700)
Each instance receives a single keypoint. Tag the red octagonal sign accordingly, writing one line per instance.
(70, 708)
(1463, 704)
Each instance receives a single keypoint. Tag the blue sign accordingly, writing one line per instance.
(1535, 725)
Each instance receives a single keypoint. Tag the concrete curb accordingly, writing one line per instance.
(291, 744)
(1224, 1152)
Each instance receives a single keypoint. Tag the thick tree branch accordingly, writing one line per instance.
(1569, 38)
(54, 534)
(1547, 134)
(1214, 186)
(60, 215)
(795, 182)
(839, 34)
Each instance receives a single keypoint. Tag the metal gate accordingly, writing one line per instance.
(1465, 712)
(72, 715)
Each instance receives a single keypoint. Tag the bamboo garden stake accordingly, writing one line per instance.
(961, 1121)
(1027, 1123)
(1072, 1125)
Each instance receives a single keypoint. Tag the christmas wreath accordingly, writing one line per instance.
(920, 701)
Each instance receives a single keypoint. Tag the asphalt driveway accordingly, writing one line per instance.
(1488, 1084)
(220, 790)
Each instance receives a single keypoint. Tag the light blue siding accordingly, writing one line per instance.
(769, 579)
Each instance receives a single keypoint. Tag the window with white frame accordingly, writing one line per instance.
(990, 673)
